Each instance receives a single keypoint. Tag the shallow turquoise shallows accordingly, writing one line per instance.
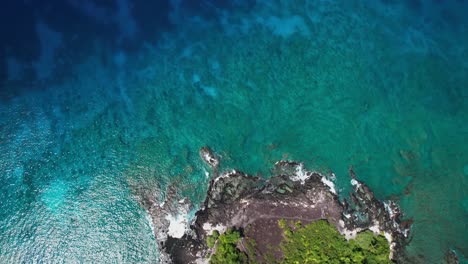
(331, 84)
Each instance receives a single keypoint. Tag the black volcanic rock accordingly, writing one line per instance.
(210, 158)
(254, 206)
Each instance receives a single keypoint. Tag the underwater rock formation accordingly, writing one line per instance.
(209, 158)
(254, 206)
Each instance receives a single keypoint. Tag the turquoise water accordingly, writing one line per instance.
(379, 85)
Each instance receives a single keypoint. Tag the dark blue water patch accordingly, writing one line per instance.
(211, 9)
(415, 5)
(17, 33)
(78, 29)
(152, 18)
(435, 13)
(81, 26)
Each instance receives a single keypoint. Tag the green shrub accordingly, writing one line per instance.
(226, 250)
(317, 242)
(250, 246)
(376, 247)
(211, 240)
(320, 242)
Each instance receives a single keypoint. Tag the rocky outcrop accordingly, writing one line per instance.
(254, 206)
(257, 206)
(366, 212)
(210, 158)
(451, 257)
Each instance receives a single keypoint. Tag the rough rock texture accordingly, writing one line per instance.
(254, 206)
(451, 257)
(366, 212)
(208, 156)
(256, 209)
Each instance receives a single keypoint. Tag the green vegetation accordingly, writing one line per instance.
(317, 242)
(226, 249)
(320, 242)
(250, 246)
(374, 248)
(211, 240)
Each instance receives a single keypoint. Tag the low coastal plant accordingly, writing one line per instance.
(320, 242)
(211, 240)
(226, 248)
(316, 242)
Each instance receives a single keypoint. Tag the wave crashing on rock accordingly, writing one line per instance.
(255, 205)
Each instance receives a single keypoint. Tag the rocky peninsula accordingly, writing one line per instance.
(253, 206)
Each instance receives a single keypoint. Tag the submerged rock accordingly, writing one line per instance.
(451, 257)
(254, 206)
(209, 157)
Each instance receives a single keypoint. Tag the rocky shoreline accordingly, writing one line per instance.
(254, 206)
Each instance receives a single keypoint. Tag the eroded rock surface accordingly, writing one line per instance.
(254, 206)
(210, 158)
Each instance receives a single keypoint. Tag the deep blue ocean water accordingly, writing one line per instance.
(102, 104)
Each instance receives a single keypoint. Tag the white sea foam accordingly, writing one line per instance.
(355, 183)
(301, 174)
(150, 221)
(225, 175)
(329, 183)
(207, 174)
(177, 225)
(388, 208)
